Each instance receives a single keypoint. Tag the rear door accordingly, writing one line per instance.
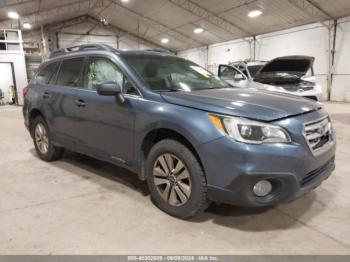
(61, 101)
(106, 125)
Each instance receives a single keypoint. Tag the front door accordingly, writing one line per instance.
(105, 124)
(233, 76)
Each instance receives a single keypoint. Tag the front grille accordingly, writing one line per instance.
(318, 134)
(315, 173)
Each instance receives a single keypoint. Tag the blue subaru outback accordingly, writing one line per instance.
(191, 136)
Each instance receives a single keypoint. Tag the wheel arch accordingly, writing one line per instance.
(157, 134)
(34, 113)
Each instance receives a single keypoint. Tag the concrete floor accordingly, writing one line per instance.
(82, 206)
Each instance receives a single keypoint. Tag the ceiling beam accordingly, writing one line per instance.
(214, 19)
(121, 32)
(10, 3)
(59, 25)
(116, 31)
(316, 6)
(162, 29)
(38, 2)
(313, 11)
(40, 18)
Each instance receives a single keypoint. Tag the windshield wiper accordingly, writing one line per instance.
(168, 90)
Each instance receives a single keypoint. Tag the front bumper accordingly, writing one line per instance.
(233, 168)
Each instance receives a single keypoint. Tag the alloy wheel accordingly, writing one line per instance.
(41, 138)
(172, 179)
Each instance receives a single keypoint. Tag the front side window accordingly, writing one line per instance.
(243, 69)
(102, 70)
(70, 72)
(44, 76)
(168, 73)
(230, 73)
(253, 69)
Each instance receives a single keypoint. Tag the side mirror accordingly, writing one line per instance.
(238, 77)
(110, 89)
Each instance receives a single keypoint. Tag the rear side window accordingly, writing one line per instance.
(70, 72)
(44, 76)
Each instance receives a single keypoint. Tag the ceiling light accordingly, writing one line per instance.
(13, 15)
(254, 13)
(198, 30)
(164, 40)
(125, 1)
(27, 26)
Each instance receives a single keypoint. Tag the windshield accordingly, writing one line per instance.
(253, 69)
(167, 73)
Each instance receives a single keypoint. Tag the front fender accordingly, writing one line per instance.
(193, 124)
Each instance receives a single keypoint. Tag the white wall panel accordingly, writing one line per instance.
(6, 79)
(306, 40)
(197, 55)
(76, 35)
(309, 40)
(66, 40)
(19, 66)
(342, 54)
(341, 72)
(226, 53)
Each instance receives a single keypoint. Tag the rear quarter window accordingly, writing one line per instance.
(46, 73)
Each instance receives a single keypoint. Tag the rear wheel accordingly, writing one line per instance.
(176, 179)
(42, 141)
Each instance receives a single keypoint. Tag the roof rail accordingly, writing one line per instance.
(159, 50)
(78, 48)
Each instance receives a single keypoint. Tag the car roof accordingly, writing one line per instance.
(147, 52)
(91, 49)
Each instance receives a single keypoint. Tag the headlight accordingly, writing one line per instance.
(274, 88)
(248, 131)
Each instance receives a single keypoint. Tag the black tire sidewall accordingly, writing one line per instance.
(198, 185)
(51, 150)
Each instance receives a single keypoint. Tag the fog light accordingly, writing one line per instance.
(262, 188)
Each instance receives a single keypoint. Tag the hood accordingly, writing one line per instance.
(253, 104)
(297, 64)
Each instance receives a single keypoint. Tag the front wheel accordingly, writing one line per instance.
(176, 180)
(42, 141)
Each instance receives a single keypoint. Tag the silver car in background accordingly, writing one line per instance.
(288, 74)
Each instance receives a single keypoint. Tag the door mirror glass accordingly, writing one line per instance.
(108, 89)
(227, 72)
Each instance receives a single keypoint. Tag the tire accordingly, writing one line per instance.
(42, 140)
(179, 193)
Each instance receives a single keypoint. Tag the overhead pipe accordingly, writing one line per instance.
(331, 56)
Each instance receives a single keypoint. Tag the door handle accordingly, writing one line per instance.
(80, 103)
(46, 95)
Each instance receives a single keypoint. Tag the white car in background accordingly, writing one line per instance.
(288, 74)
